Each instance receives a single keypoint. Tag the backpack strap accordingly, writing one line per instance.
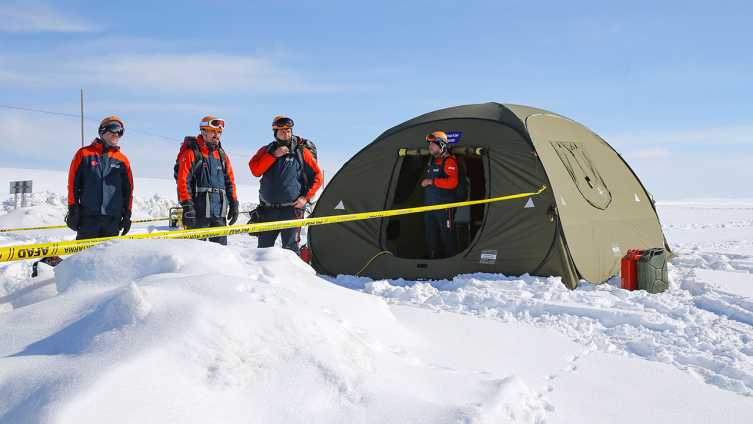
(299, 156)
(198, 158)
(223, 158)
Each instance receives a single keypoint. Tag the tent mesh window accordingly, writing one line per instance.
(405, 234)
(583, 172)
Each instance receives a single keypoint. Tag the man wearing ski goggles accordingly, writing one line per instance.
(114, 128)
(100, 186)
(290, 179)
(206, 184)
(441, 180)
(215, 124)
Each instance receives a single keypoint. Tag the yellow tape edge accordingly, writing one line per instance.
(41, 250)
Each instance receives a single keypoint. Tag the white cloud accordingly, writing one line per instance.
(708, 137)
(652, 153)
(201, 73)
(37, 16)
(188, 74)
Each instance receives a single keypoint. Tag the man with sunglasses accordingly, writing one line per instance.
(100, 186)
(290, 178)
(206, 184)
(441, 179)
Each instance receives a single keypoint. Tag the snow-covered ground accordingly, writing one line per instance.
(187, 331)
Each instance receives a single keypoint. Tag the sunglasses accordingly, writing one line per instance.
(114, 128)
(214, 123)
(282, 123)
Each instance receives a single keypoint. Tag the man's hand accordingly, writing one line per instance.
(73, 217)
(281, 151)
(189, 214)
(232, 214)
(125, 222)
(426, 182)
(299, 202)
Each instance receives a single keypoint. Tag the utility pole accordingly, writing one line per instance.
(82, 117)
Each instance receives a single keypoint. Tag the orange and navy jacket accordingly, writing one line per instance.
(443, 173)
(100, 180)
(282, 177)
(211, 176)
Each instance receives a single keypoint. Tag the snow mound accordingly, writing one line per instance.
(112, 263)
(39, 216)
(210, 325)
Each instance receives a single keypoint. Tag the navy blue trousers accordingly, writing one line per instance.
(96, 226)
(439, 225)
(289, 236)
(204, 222)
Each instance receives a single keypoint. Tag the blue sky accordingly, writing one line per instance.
(668, 84)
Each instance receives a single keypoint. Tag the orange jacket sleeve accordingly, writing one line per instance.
(451, 169)
(261, 162)
(74, 178)
(128, 185)
(230, 179)
(318, 179)
(185, 160)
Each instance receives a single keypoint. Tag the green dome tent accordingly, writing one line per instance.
(593, 210)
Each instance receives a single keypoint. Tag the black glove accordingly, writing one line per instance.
(189, 215)
(232, 214)
(256, 218)
(125, 222)
(73, 217)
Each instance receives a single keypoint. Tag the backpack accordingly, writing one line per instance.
(192, 143)
(309, 145)
(461, 190)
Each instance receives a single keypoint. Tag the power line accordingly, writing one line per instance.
(92, 119)
(85, 117)
(45, 111)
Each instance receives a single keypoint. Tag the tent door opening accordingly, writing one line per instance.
(404, 235)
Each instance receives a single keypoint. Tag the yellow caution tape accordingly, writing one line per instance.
(65, 226)
(32, 251)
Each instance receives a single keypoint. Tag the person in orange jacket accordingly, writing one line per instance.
(441, 179)
(100, 186)
(290, 179)
(206, 184)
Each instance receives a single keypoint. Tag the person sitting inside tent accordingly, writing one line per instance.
(441, 179)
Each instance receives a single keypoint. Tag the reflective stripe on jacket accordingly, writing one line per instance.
(100, 180)
(444, 179)
(210, 187)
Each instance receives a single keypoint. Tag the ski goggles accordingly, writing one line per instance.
(215, 124)
(282, 122)
(114, 127)
(436, 137)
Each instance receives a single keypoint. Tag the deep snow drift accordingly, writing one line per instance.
(188, 331)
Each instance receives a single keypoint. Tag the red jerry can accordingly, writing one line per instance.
(306, 254)
(629, 271)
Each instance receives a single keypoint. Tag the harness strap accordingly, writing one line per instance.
(273, 205)
(216, 190)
